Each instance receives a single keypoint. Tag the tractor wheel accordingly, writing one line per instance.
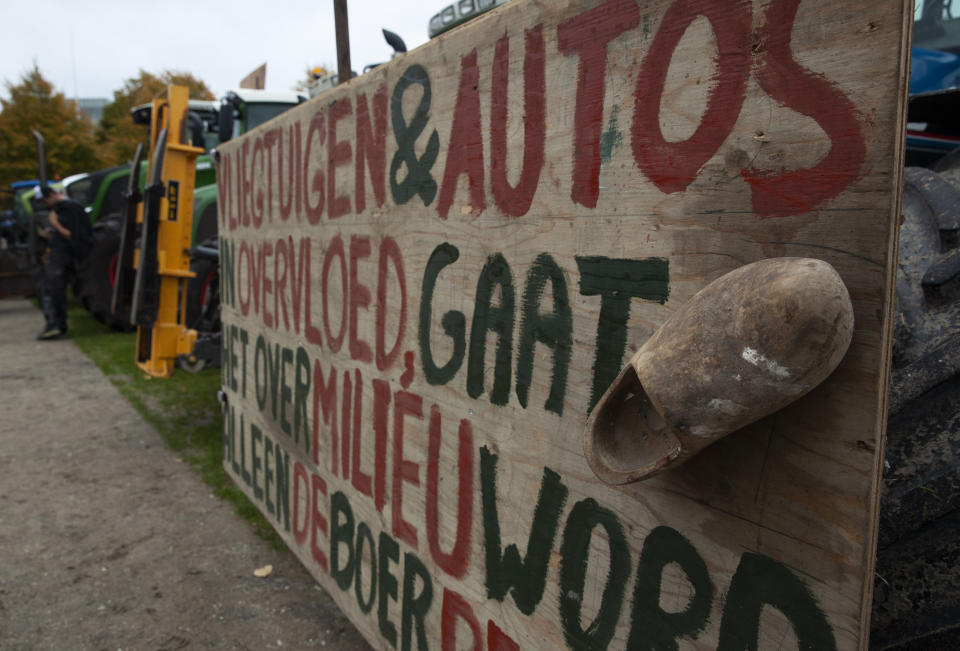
(203, 313)
(916, 602)
(96, 277)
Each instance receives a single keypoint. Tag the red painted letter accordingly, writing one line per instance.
(359, 479)
(465, 153)
(497, 640)
(672, 166)
(381, 403)
(300, 477)
(456, 562)
(455, 606)
(798, 191)
(372, 147)
(359, 298)
(314, 212)
(404, 404)
(588, 35)
(338, 152)
(335, 250)
(515, 200)
(325, 398)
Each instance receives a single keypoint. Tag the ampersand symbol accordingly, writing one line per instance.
(418, 180)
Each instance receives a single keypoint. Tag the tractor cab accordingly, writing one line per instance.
(15, 221)
(202, 121)
(936, 25)
(20, 222)
(26, 205)
(244, 109)
(932, 125)
(100, 193)
(458, 13)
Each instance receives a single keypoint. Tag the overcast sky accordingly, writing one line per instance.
(88, 49)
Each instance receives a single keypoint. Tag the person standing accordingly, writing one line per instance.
(70, 238)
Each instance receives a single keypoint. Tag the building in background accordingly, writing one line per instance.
(93, 107)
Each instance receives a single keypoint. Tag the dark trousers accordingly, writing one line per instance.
(52, 287)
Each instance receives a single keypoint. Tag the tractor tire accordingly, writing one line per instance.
(916, 602)
(202, 292)
(96, 277)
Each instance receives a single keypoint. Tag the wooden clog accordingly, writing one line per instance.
(744, 346)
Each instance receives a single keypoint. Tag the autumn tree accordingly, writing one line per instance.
(117, 135)
(67, 131)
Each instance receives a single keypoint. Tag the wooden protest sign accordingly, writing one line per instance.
(432, 272)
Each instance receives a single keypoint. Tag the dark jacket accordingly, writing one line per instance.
(74, 218)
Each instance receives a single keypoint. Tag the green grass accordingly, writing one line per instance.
(183, 409)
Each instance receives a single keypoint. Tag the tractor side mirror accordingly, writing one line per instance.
(225, 125)
(195, 123)
(393, 40)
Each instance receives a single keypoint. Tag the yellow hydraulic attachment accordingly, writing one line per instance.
(163, 261)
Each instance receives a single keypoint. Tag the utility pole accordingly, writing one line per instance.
(344, 71)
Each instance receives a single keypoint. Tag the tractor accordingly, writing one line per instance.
(18, 242)
(103, 194)
(917, 586)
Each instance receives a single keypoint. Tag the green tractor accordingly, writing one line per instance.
(19, 248)
(22, 228)
(103, 194)
(240, 111)
(916, 598)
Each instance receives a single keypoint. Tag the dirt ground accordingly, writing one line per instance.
(109, 542)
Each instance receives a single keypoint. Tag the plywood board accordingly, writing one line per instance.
(429, 275)
(257, 79)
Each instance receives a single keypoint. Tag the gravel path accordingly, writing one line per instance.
(109, 542)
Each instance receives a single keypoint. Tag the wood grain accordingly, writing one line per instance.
(417, 325)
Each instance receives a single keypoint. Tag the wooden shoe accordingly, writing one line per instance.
(746, 345)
